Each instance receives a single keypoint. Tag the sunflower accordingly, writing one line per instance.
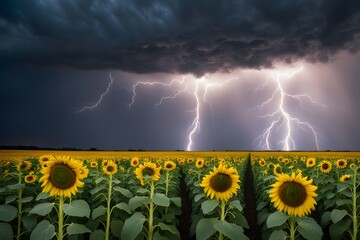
(325, 166)
(341, 163)
(104, 162)
(181, 162)
(190, 160)
(345, 177)
(23, 166)
(94, 164)
(277, 170)
(147, 169)
(84, 172)
(169, 165)
(199, 163)
(134, 161)
(293, 194)
(310, 162)
(221, 183)
(271, 165)
(30, 178)
(110, 168)
(207, 163)
(45, 158)
(61, 177)
(262, 162)
(352, 165)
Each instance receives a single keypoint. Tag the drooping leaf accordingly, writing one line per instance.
(75, 228)
(42, 209)
(7, 213)
(77, 208)
(276, 219)
(43, 231)
(133, 226)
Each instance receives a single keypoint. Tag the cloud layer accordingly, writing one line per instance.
(176, 36)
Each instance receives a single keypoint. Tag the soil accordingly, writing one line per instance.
(185, 217)
(250, 208)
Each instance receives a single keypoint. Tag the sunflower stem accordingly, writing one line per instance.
(292, 228)
(354, 214)
(151, 212)
(108, 210)
(19, 207)
(167, 183)
(222, 217)
(60, 219)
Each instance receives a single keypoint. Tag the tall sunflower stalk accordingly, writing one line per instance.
(61, 178)
(149, 172)
(110, 169)
(354, 206)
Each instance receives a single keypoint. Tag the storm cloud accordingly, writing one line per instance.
(188, 36)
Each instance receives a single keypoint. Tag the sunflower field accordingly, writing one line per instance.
(178, 195)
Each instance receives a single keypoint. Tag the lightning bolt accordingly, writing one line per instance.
(198, 88)
(100, 99)
(281, 117)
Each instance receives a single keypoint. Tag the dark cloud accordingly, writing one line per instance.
(175, 36)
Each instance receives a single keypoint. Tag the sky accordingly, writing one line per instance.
(180, 75)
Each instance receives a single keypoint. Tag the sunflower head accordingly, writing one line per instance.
(30, 178)
(110, 168)
(23, 166)
(190, 160)
(169, 165)
(345, 177)
(134, 161)
(84, 172)
(325, 166)
(221, 183)
(199, 163)
(104, 162)
(310, 162)
(277, 170)
(341, 163)
(293, 195)
(147, 170)
(94, 164)
(262, 162)
(45, 158)
(352, 165)
(207, 163)
(61, 177)
(271, 166)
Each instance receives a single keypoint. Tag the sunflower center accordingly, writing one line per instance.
(292, 194)
(23, 166)
(29, 178)
(221, 182)
(62, 176)
(278, 170)
(148, 172)
(168, 165)
(325, 166)
(110, 168)
(341, 163)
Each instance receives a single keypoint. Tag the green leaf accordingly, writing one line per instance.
(29, 222)
(325, 218)
(209, 205)
(133, 226)
(43, 231)
(2, 189)
(99, 180)
(176, 201)
(205, 229)
(330, 195)
(97, 235)
(75, 228)
(276, 219)
(341, 202)
(161, 200)
(77, 208)
(142, 190)
(157, 236)
(336, 230)
(7, 213)
(26, 199)
(169, 228)
(230, 230)
(42, 209)
(278, 235)
(97, 189)
(6, 231)
(337, 215)
(236, 204)
(10, 199)
(116, 227)
(138, 201)
(123, 191)
(123, 206)
(260, 206)
(42, 196)
(198, 197)
(99, 211)
(309, 228)
(15, 186)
